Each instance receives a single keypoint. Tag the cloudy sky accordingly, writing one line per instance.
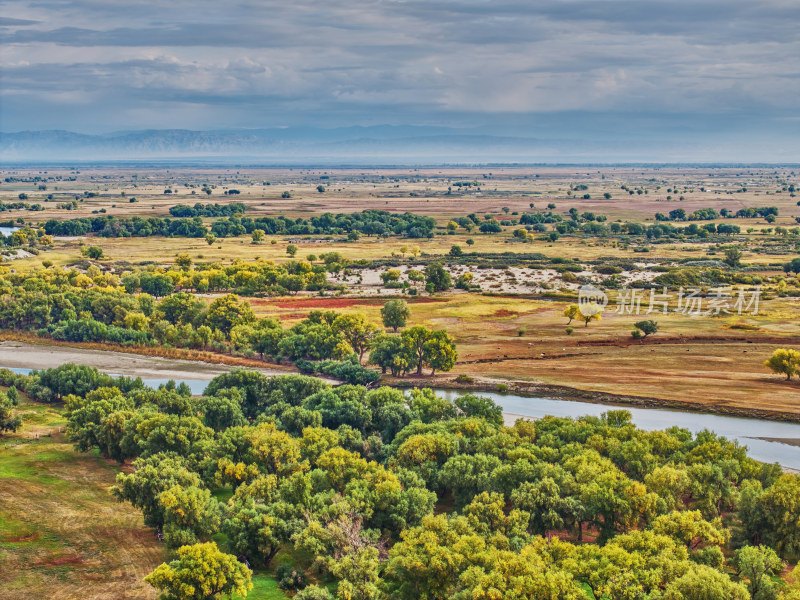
(729, 69)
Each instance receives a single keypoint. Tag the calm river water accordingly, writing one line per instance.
(746, 431)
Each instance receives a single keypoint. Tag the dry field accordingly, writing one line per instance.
(711, 361)
(423, 190)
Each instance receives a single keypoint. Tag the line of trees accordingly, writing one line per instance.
(207, 210)
(188, 223)
(142, 308)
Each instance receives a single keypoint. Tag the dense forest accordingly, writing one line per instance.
(372, 493)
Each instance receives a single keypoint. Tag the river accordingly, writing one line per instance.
(155, 371)
(746, 431)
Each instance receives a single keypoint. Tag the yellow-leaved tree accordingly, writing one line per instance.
(784, 361)
(201, 571)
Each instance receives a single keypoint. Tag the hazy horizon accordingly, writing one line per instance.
(681, 81)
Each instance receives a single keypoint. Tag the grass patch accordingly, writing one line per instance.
(61, 531)
(265, 587)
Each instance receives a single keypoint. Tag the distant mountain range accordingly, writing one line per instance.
(345, 145)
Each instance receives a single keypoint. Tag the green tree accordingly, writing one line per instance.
(439, 351)
(257, 235)
(733, 256)
(210, 239)
(793, 266)
(201, 572)
(389, 276)
(359, 575)
(414, 339)
(395, 314)
(70, 378)
(647, 327)
(190, 515)
(689, 528)
(13, 395)
(8, 420)
(292, 283)
(357, 331)
(548, 506)
(156, 284)
(705, 583)
(255, 531)
(86, 422)
(472, 405)
(224, 410)
(756, 565)
(183, 261)
(314, 592)
(291, 250)
(438, 277)
(152, 476)
(226, 312)
(389, 352)
(772, 515)
(182, 308)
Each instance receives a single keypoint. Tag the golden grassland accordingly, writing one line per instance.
(714, 361)
(162, 251)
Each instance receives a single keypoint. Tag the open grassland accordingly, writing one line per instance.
(716, 362)
(162, 251)
(62, 534)
(429, 191)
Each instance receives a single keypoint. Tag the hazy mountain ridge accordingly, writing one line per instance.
(368, 144)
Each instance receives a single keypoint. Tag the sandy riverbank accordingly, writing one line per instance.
(790, 441)
(23, 355)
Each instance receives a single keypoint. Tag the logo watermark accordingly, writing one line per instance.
(688, 301)
(591, 300)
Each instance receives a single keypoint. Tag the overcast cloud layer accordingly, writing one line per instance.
(703, 71)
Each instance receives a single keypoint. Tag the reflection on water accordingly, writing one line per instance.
(735, 428)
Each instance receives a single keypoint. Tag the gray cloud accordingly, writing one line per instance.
(91, 65)
(9, 22)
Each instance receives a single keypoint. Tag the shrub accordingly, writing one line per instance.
(348, 370)
(289, 578)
